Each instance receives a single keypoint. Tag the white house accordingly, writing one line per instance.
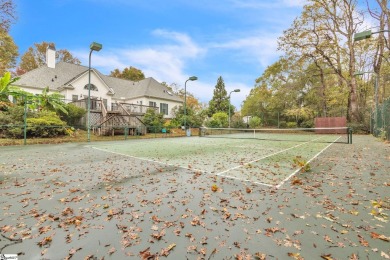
(72, 81)
(115, 103)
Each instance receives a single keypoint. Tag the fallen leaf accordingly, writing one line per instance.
(45, 241)
(111, 251)
(296, 181)
(166, 251)
(362, 241)
(145, 254)
(260, 256)
(381, 237)
(386, 256)
(295, 256)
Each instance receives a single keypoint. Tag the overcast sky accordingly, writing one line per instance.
(168, 40)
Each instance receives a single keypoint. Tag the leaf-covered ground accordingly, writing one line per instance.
(70, 201)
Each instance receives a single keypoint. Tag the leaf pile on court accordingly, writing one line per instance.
(71, 202)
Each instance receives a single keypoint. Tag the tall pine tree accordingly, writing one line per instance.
(220, 101)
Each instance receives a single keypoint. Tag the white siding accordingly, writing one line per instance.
(82, 93)
(145, 102)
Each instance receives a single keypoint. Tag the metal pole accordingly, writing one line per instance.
(25, 121)
(192, 78)
(229, 107)
(185, 103)
(376, 104)
(89, 100)
(236, 90)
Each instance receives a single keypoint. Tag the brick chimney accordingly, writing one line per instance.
(51, 56)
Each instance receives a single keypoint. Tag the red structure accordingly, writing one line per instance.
(330, 122)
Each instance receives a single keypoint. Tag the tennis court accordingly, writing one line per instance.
(149, 199)
(262, 158)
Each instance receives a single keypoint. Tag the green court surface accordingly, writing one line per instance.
(196, 198)
(263, 162)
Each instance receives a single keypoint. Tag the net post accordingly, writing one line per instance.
(349, 135)
(126, 131)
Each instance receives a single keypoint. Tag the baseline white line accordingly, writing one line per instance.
(264, 157)
(295, 172)
(149, 160)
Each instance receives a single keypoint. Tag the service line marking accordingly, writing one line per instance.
(264, 157)
(223, 173)
(296, 171)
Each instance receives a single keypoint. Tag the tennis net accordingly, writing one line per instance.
(323, 135)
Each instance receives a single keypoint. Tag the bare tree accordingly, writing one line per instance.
(7, 14)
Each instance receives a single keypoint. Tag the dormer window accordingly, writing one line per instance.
(93, 87)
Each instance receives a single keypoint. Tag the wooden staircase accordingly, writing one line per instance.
(122, 119)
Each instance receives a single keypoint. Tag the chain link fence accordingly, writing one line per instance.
(16, 134)
(380, 120)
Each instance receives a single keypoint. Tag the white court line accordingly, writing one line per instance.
(178, 166)
(222, 173)
(264, 157)
(149, 160)
(295, 172)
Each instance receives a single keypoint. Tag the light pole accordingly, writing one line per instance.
(192, 78)
(365, 35)
(236, 90)
(376, 93)
(93, 47)
(362, 36)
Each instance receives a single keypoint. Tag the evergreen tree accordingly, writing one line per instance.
(220, 101)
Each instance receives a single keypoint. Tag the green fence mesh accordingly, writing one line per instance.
(380, 120)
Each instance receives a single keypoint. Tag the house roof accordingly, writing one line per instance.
(148, 87)
(54, 78)
(65, 73)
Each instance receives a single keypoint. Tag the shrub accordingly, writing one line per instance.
(291, 124)
(282, 124)
(237, 121)
(153, 120)
(11, 122)
(218, 120)
(74, 115)
(359, 128)
(307, 124)
(46, 124)
(254, 122)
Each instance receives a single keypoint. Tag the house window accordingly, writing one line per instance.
(75, 98)
(114, 106)
(93, 87)
(164, 108)
(152, 104)
(94, 104)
